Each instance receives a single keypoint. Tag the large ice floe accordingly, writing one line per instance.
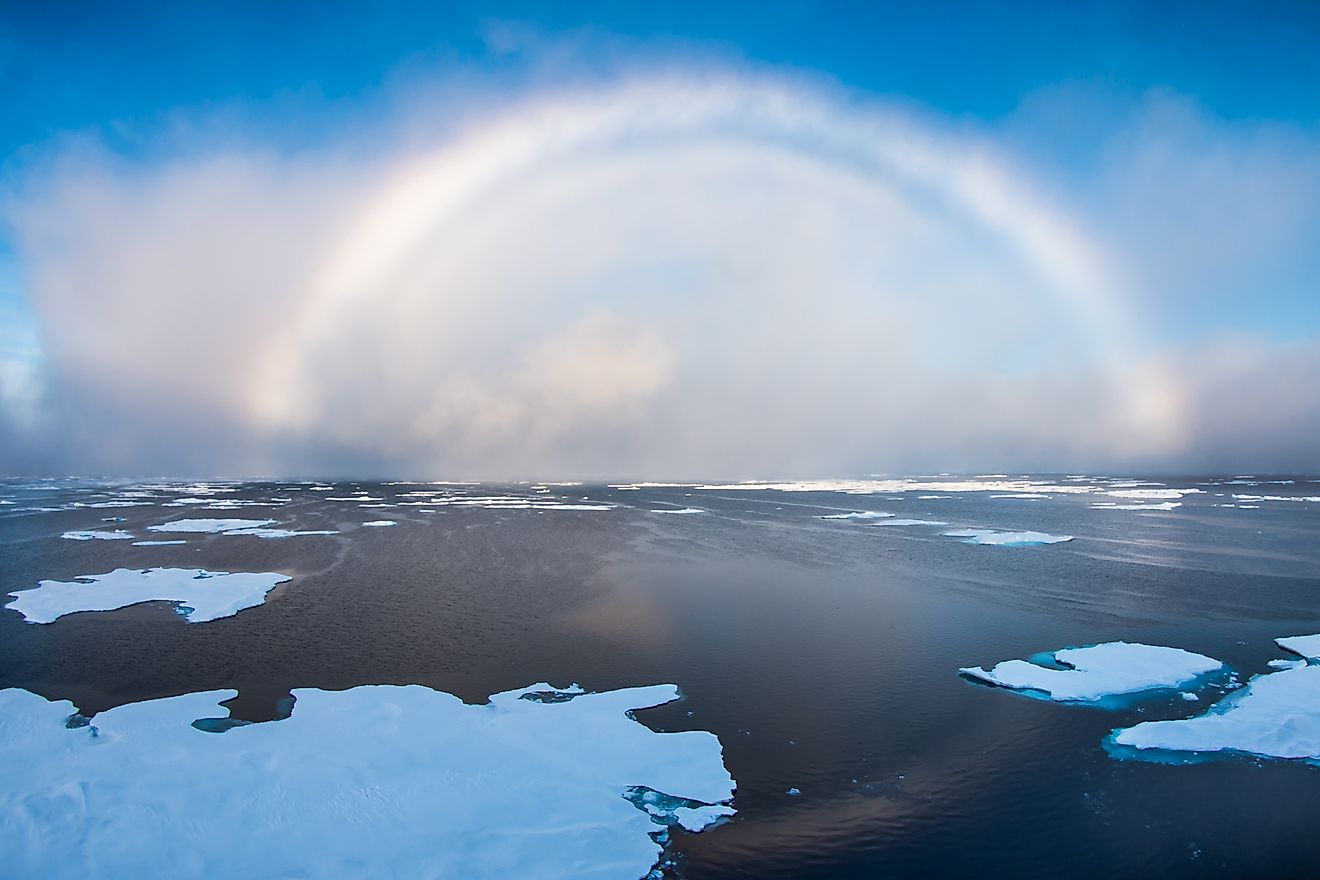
(1093, 672)
(95, 535)
(997, 538)
(377, 781)
(255, 528)
(1277, 715)
(210, 525)
(202, 595)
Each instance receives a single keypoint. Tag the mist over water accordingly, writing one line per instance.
(717, 272)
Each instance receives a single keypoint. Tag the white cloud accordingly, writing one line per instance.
(713, 275)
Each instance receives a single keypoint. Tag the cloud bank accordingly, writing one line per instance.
(709, 274)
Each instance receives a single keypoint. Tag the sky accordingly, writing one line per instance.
(598, 240)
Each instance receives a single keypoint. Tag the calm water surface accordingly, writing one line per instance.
(824, 653)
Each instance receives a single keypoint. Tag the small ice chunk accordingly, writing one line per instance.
(1190, 697)
(203, 595)
(156, 543)
(1286, 664)
(1302, 646)
(380, 523)
(793, 792)
(681, 510)
(1006, 539)
(700, 818)
(94, 535)
(1163, 505)
(1098, 671)
(1277, 715)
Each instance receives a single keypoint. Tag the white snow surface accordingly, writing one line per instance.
(94, 535)
(376, 781)
(1303, 646)
(1277, 715)
(1006, 539)
(1097, 671)
(203, 595)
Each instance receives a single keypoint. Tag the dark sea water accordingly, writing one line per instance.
(823, 653)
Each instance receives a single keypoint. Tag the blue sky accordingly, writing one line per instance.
(70, 66)
(1178, 139)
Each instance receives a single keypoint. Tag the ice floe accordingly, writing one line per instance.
(1302, 646)
(254, 528)
(210, 525)
(1093, 672)
(1159, 505)
(859, 514)
(376, 781)
(271, 534)
(680, 510)
(1154, 494)
(203, 595)
(1277, 715)
(380, 523)
(94, 535)
(156, 543)
(910, 522)
(898, 486)
(1006, 539)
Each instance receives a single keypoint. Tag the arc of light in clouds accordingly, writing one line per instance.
(429, 193)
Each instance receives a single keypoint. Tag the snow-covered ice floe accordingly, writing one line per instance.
(859, 514)
(1277, 715)
(1006, 539)
(380, 523)
(910, 522)
(1094, 672)
(680, 510)
(210, 525)
(255, 528)
(94, 535)
(271, 534)
(202, 595)
(1302, 646)
(1161, 505)
(376, 781)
